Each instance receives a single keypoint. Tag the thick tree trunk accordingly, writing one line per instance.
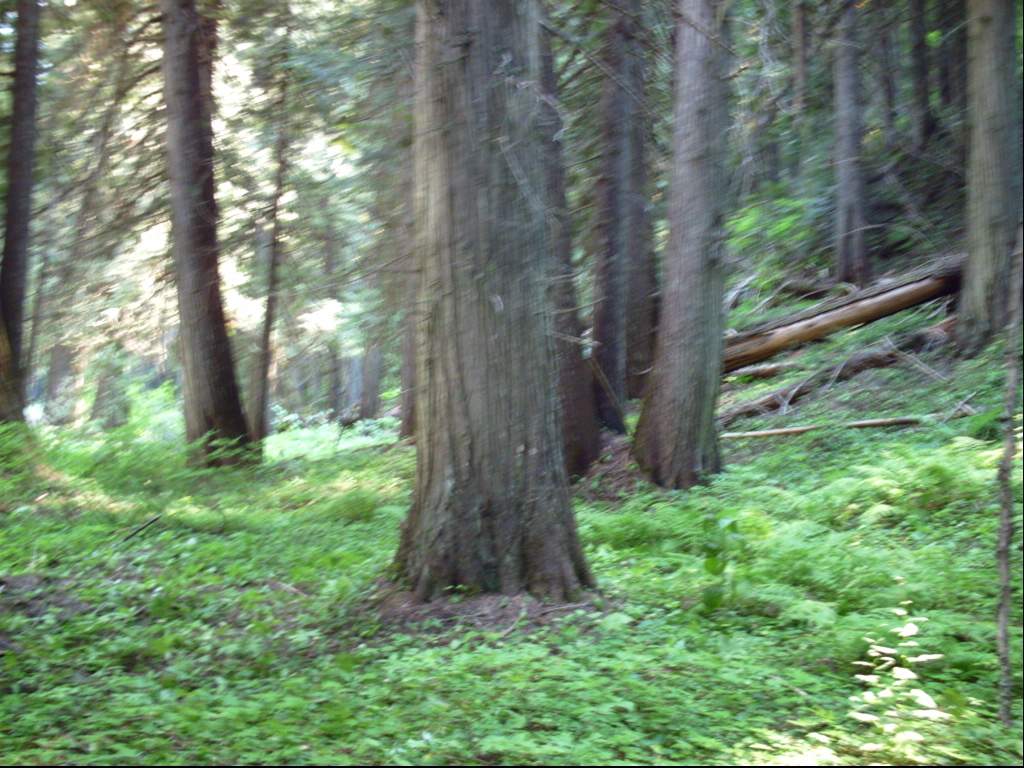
(14, 265)
(993, 171)
(258, 412)
(676, 441)
(924, 118)
(580, 429)
(212, 406)
(852, 263)
(491, 510)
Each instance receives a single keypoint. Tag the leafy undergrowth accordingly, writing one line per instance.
(828, 599)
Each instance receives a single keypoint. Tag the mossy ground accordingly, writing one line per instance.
(729, 628)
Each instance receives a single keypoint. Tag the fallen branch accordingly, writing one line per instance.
(879, 357)
(897, 421)
(764, 371)
(882, 300)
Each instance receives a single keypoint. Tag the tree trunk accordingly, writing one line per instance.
(924, 118)
(993, 171)
(213, 410)
(14, 266)
(953, 53)
(580, 431)
(61, 393)
(258, 413)
(887, 74)
(369, 396)
(642, 277)
(334, 383)
(491, 509)
(852, 263)
(676, 442)
(410, 290)
(619, 110)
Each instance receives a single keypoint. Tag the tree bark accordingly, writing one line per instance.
(676, 442)
(580, 430)
(213, 410)
(953, 53)
(924, 118)
(1006, 505)
(993, 171)
(852, 264)
(14, 266)
(611, 279)
(369, 396)
(887, 74)
(642, 277)
(258, 413)
(491, 509)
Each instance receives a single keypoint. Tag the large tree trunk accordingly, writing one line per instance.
(852, 263)
(924, 118)
(676, 442)
(212, 405)
(580, 430)
(258, 412)
(620, 109)
(993, 171)
(14, 266)
(491, 510)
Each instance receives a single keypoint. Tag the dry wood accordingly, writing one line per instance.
(763, 342)
(896, 421)
(765, 371)
(889, 353)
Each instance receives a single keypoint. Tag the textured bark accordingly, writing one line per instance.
(638, 244)
(852, 263)
(491, 508)
(580, 429)
(993, 171)
(111, 405)
(410, 291)
(924, 118)
(611, 279)
(60, 396)
(261, 390)
(212, 406)
(676, 441)
(334, 382)
(799, 42)
(14, 265)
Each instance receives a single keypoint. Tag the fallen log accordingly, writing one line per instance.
(880, 356)
(762, 342)
(898, 421)
(764, 371)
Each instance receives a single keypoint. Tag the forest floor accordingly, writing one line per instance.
(751, 621)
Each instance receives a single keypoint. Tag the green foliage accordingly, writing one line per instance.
(154, 612)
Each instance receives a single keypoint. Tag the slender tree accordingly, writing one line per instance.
(212, 405)
(676, 441)
(580, 429)
(14, 265)
(619, 108)
(491, 508)
(852, 263)
(924, 117)
(261, 389)
(993, 170)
